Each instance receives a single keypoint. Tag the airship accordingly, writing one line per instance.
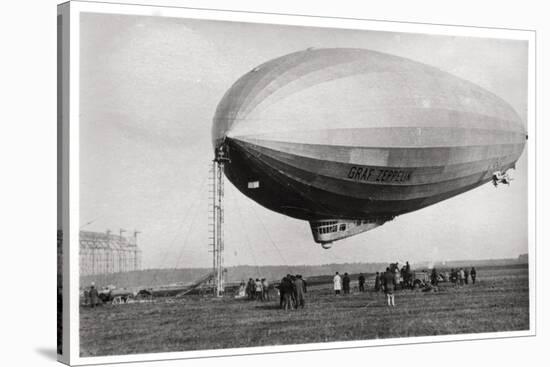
(348, 139)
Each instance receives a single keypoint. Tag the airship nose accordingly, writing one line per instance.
(220, 130)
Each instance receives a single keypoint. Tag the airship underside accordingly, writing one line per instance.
(347, 139)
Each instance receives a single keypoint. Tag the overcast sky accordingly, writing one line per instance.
(149, 90)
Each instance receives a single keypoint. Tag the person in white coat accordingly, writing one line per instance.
(337, 283)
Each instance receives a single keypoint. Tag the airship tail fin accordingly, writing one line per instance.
(501, 178)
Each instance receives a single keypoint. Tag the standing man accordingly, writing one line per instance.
(473, 275)
(396, 277)
(300, 290)
(408, 275)
(434, 277)
(265, 289)
(377, 282)
(337, 281)
(388, 278)
(86, 297)
(403, 277)
(281, 287)
(286, 293)
(250, 288)
(258, 286)
(466, 275)
(361, 282)
(461, 276)
(94, 295)
(294, 291)
(346, 282)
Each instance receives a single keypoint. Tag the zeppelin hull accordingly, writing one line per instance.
(357, 134)
(311, 189)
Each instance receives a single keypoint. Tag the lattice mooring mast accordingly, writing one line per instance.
(217, 220)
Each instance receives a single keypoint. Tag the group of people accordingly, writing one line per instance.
(400, 277)
(460, 276)
(342, 284)
(393, 277)
(256, 289)
(385, 281)
(406, 275)
(91, 296)
(292, 290)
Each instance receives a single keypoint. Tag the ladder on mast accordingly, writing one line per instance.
(217, 219)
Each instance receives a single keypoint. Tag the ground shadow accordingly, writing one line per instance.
(49, 353)
(268, 307)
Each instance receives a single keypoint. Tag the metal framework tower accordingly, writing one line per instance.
(217, 221)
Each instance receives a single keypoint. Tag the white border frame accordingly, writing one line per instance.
(167, 9)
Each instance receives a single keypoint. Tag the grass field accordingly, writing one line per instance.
(499, 301)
